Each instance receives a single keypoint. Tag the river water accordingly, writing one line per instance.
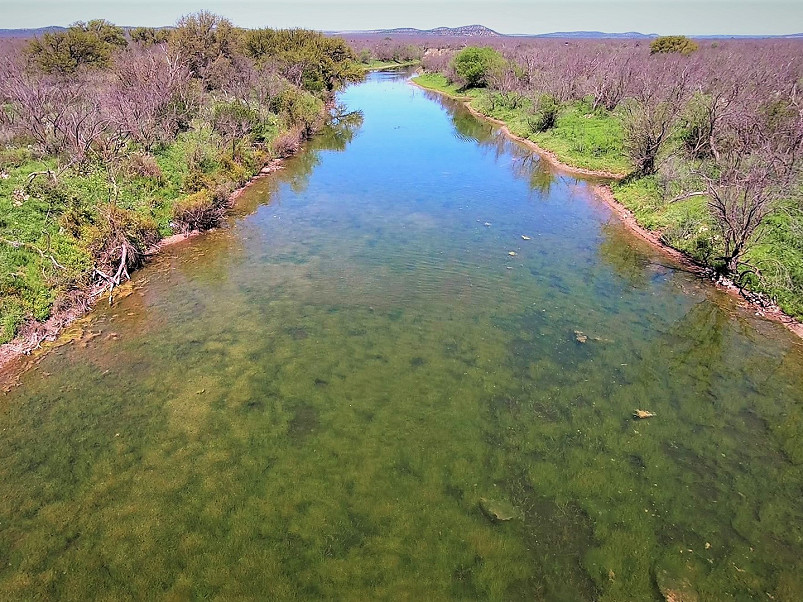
(314, 401)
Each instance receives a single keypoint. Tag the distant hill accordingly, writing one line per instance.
(594, 34)
(28, 33)
(789, 36)
(466, 31)
(635, 35)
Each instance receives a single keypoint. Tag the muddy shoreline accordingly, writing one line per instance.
(602, 191)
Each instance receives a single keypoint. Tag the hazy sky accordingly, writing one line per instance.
(505, 16)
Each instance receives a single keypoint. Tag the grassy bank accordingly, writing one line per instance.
(581, 138)
(53, 230)
(593, 139)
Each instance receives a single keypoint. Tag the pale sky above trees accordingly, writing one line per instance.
(506, 16)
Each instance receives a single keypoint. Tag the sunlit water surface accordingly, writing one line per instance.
(311, 402)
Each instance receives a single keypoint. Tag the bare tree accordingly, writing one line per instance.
(149, 97)
(741, 195)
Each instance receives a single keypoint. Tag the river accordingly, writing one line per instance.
(412, 325)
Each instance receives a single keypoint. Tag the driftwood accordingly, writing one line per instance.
(116, 280)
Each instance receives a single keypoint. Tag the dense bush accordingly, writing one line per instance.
(198, 211)
(680, 44)
(81, 45)
(148, 36)
(474, 66)
(545, 114)
(308, 59)
(204, 42)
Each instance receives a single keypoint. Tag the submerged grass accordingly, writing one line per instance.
(206, 477)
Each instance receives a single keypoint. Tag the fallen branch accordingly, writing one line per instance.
(53, 175)
(116, 280)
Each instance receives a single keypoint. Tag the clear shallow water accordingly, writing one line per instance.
(311, 402)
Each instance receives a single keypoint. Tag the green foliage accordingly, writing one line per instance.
(149, 36)
(696, 126)
(778, 259)
(665, 44)
(204, 41)
(474, 65)
(81, 45)
(297, 108)
(545, 114)
(234, 119)
(587, 140)
(306, 58)
(198, 211)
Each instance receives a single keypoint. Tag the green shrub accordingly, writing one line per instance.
(298, 108)
(115, 226)
(199, 211)
(234, 119)
(545, 114)
(696, 126)
(81, 45)
(144, 165)
(148, 36)
(11, 318)
(474, 65)
(665, 44)
(306, 58)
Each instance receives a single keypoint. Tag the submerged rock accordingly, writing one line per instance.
(580, 337)
(499, 510)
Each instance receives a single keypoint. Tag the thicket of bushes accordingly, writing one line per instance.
(110, 140)
(710, 138)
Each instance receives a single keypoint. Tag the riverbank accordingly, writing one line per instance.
(759, 304)
(36, 336)
(387, 65)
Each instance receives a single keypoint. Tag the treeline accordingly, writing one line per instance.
(110, 140)
(709, 136)
(373, 50)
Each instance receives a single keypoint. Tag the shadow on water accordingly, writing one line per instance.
(413, 318)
